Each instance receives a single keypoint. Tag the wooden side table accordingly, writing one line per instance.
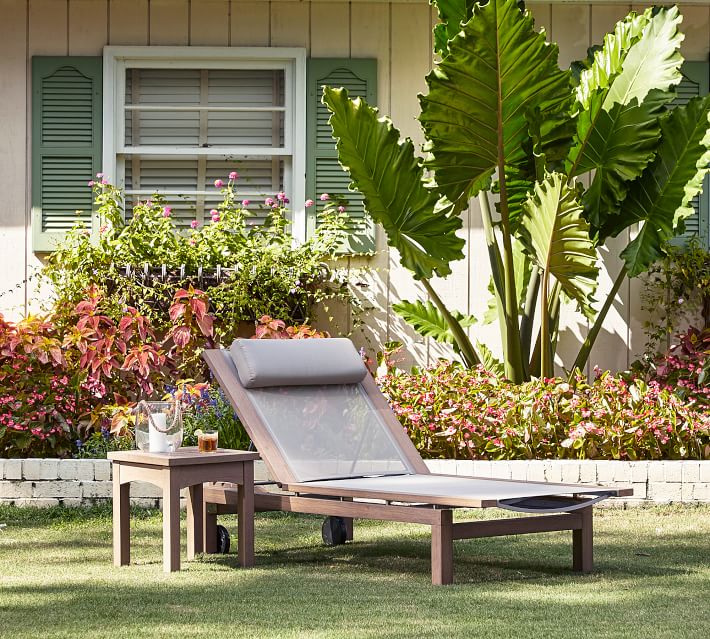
(185, 468)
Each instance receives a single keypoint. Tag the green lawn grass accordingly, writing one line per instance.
(652, 579)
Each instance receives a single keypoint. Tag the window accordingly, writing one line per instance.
(174, 119)
(178, 118)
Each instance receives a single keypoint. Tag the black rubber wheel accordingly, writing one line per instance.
(222, 540)
(334, 531)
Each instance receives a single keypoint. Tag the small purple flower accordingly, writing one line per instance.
(167, 211)
(341, 209)
(269, 201)
(194, 224)
(218, 184)
(324, 197)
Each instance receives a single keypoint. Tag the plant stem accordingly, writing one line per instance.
(586, 347)
(493, 248)
(468, 352)
(526, 322)
(544, 327)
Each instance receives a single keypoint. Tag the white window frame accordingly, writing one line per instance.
(292, 60)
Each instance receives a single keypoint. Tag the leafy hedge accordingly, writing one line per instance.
(452, 412)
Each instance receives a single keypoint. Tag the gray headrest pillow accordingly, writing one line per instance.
(297, 362)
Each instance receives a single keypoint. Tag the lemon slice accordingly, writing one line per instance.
(198, 433)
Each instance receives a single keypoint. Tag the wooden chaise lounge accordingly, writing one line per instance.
(334, 447)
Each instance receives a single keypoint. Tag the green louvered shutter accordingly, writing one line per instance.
(696, 81)
(66, 144)
(323, 173)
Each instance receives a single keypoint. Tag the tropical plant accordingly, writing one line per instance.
(504, 123)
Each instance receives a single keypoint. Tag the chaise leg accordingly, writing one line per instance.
(442, 550)
(582, 543)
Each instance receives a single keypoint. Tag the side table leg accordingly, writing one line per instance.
(195, 521)
(171, 525)
(121, 519)
(245, 511)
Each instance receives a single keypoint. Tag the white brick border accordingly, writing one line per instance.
(71, 482)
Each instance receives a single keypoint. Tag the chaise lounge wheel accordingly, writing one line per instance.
(222, 540)
(334, 531)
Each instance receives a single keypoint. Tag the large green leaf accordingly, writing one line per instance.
(428, 321)
(661, 198)
(497, 70)
(619, 100)
(390, 177)
(452, 14)
(556, 237)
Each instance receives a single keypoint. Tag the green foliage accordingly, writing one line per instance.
(676, 293)
(556, 237)
(390, 177)
(498, 69)
(98, 444)
(452, 412)
(661, 198)
(263, 272)
(427, 320)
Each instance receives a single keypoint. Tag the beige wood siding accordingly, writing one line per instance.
(397, 33)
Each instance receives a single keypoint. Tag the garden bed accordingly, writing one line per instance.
(74, 482)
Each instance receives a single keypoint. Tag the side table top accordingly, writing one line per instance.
(188, 456)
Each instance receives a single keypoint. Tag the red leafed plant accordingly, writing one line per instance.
(57, 374)
(270, 328)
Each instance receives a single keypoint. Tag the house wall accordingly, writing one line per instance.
(397, 33)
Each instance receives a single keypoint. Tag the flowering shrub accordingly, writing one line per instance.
(685, 368)
(262, 271)
(449, 411)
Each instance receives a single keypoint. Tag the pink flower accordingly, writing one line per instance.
(309, 203)
(245, 202)
(341, 209)
(215, 215)
(194, 224)
(324, 197)
(281, 196)
(269, 201)
(233, 175)
(99, 175)
(102, 229)
(91, 183)
(218, 184)
(167, 211)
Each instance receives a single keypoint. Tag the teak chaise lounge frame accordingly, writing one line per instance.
(338, 497)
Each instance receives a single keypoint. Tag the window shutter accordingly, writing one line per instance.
(323, 172)
(695, 82)
(66, 144)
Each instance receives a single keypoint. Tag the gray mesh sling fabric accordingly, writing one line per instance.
(308, 395)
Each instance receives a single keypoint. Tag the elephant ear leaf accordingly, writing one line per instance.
(428, 321)
(620, 98)
(661, 198)
(556, 237)
(390, 177)
(452, 14)
(497, 69)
